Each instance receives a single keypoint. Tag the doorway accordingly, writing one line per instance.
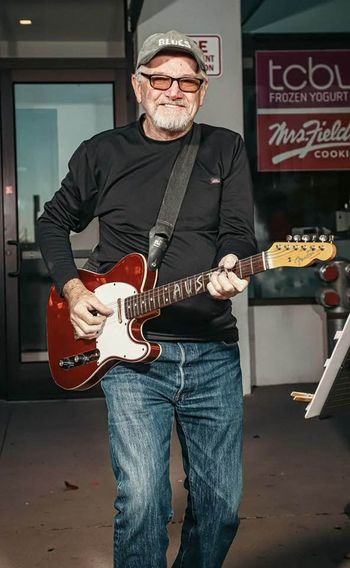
(45, 115)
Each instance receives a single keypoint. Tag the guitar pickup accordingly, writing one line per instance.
(79, 359)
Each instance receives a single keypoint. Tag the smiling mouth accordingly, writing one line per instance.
(169, 105)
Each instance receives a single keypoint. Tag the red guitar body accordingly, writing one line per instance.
(129, 276)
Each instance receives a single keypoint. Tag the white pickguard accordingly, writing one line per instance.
(115, 340)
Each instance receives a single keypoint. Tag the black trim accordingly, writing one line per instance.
(135, 10)
(254, 9)
(3, 361)
(54, 63)
(281, 301)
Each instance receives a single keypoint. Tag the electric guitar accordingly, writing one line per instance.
(129, 288)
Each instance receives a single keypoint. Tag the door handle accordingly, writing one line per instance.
(17, 272)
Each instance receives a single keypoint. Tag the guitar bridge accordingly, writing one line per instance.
(79, 359)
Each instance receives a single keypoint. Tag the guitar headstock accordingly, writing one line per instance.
(300, 251)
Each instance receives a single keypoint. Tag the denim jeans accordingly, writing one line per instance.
(199, 385)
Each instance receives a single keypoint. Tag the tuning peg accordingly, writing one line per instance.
(289, 238)
(323, 238)
(297, 238)
(331, 238)
(314, 238)
(305, 238)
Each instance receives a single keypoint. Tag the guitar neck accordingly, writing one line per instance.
(168, 294)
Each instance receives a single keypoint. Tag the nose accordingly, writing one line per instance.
(174, 91)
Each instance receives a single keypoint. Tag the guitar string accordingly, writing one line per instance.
(145, 296)
(244, 263)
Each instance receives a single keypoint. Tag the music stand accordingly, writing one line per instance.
(333, 391)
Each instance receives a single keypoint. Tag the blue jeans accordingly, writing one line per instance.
(198, 384)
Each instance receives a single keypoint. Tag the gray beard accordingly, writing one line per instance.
(172, 124)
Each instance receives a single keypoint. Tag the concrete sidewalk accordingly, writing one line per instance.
(297, 486)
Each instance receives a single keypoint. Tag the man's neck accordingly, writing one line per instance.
(161, 134)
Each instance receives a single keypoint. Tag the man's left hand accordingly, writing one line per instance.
(223, 285)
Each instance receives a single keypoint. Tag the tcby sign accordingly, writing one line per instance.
(303, 110)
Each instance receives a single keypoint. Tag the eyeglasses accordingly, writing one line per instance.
(164, 82)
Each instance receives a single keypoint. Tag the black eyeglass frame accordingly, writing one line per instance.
(172, 79)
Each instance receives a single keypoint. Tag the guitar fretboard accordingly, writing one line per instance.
(167, 294)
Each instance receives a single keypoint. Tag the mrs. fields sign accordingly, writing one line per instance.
(303, 110)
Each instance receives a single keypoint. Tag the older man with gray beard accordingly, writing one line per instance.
(120, 176)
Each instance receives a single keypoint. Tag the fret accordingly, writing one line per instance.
(158, 297)
(176, 289)
(128, 311)
(206, 278)
(148, 299)
(166, 296)
(188, 286)
(138, 305)
(198, 284)
(151, 300)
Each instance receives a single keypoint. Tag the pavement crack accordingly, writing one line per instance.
(293, 515)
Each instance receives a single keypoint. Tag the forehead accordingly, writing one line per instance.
(172, 62)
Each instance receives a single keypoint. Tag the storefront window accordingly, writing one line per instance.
(297, 132)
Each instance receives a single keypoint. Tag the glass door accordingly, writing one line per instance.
(50, 119)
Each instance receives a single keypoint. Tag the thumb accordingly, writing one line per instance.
(99, 306)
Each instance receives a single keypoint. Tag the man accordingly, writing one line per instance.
(120, 176)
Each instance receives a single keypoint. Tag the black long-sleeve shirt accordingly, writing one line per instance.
(120, 176)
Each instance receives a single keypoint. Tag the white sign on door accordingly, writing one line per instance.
(211, 47)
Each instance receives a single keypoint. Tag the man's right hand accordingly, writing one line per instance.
(82, 305)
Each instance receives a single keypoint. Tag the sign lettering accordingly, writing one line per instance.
(303, 110)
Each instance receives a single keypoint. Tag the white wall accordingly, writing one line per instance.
(224, 102)
(288, 343)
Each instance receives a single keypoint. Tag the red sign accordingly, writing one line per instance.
(303, 110)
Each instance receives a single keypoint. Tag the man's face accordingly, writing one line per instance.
(172, 110)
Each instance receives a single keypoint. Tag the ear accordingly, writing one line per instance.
(202, 93)
(137, 88)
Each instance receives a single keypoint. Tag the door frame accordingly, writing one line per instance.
(31, 380)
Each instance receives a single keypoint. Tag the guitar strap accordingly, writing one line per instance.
(160, 235)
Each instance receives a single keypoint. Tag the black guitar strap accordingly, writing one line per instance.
(161, 233)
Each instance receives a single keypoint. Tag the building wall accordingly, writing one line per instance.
(279, 344)
(288, 344)
(224, 103)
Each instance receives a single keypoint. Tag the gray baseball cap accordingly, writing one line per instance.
(173, 41)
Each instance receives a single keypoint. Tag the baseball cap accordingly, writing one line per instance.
(172, 40)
